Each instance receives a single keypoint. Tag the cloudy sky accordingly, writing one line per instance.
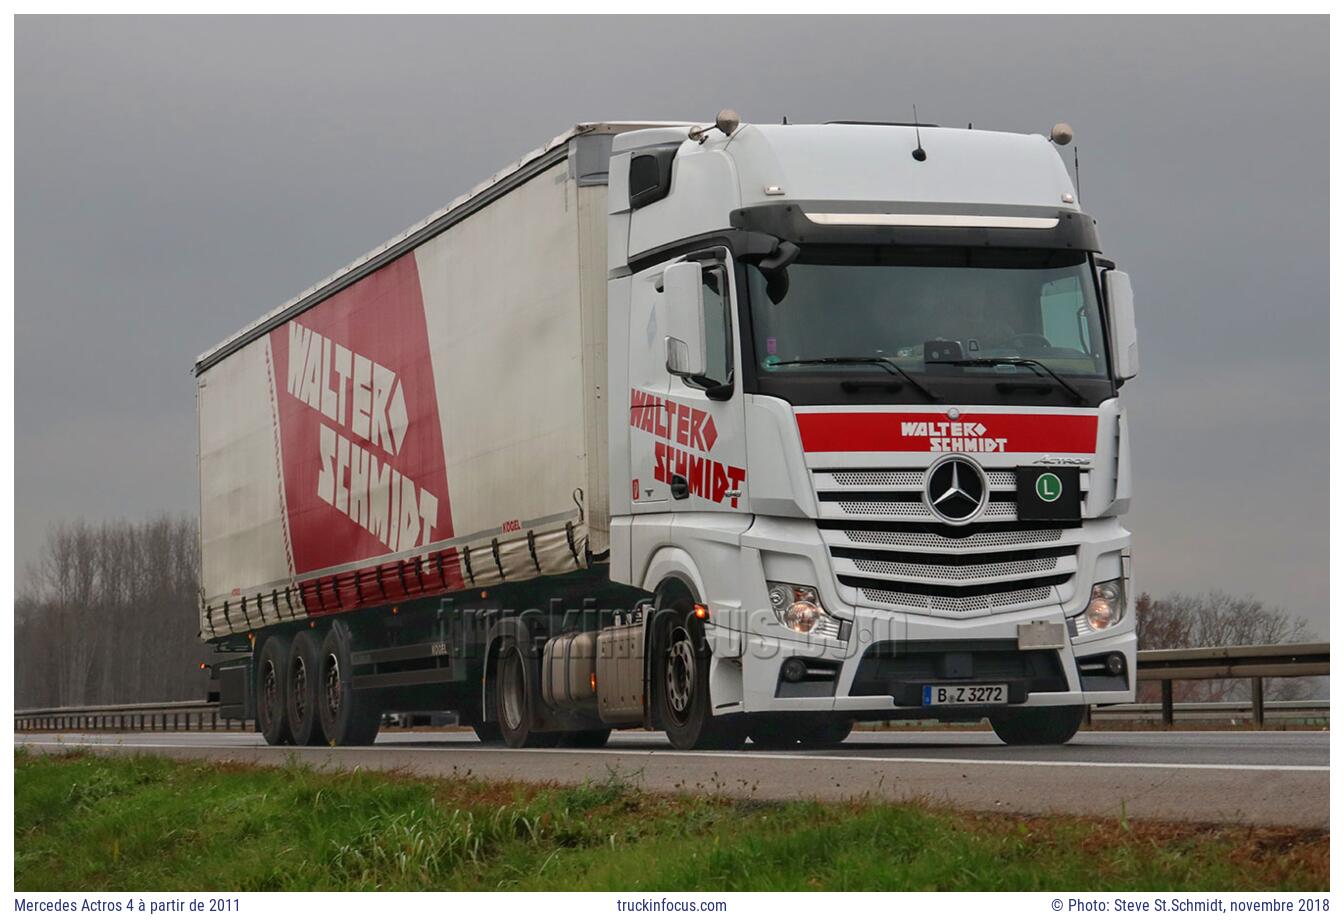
(176, 178)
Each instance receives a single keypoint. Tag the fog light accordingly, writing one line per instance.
(1115, 664)
(1107, 606)
(794, 670)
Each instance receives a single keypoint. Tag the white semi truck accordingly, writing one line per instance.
(730, 431)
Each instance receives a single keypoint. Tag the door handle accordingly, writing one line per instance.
(680, 487)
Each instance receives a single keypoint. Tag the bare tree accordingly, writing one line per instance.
(109, 616)
(1217, 619)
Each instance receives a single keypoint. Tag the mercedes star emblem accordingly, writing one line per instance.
(956, 489)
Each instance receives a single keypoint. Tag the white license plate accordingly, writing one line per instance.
(965, 694)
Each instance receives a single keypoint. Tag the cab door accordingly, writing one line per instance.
(703, 458)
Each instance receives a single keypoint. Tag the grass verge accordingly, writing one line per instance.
(87, 822)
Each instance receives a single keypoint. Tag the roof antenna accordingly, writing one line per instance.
(918, 153)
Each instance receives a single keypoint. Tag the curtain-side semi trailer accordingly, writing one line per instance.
(727, 431)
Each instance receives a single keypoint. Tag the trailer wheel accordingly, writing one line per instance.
(272, 720)
(302, 690)
(681, 684)
(349, 717)
(516, 700)
(1038, 725)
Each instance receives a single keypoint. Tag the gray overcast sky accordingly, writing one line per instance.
(176, 178)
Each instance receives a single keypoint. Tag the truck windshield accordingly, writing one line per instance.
(939, 313)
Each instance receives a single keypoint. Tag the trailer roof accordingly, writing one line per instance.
(517, 172)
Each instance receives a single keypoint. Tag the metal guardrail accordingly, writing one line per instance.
(176, 716)
(1308, 711)
(1253, 662)
(1256, 662)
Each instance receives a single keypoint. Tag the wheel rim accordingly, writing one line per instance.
(512, 686)
(270, 693)
(299, 688)
(679, 671)
(333, 688)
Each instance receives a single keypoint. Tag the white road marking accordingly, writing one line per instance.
(744, 755)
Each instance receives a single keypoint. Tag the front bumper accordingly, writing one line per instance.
(876, 674)
(878, 661)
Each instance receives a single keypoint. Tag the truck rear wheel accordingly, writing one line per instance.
(349, 717)
(1039, 725)
(301, 690)
(681, 683)
(516, 700)
(272, 720)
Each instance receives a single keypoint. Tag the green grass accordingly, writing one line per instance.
(85, 822)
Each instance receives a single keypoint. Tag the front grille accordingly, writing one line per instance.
(841, 492)
(986, 570)
(994, 510)
(929, 539)
(963, 606)
(956, 572)
(887, 543)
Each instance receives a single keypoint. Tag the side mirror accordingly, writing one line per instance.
(684, 320)
(1124, 337)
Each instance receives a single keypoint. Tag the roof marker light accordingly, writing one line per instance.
(936, 220)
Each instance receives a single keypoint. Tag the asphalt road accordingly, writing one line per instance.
(1264, 778)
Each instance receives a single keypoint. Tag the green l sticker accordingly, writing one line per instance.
(1048, 487)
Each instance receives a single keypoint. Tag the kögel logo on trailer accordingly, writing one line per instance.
(956, 489)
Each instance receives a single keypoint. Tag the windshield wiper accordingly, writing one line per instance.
(890, 366)
(1032, 363)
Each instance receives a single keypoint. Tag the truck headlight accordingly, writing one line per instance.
(1107, 606)
(796, 606)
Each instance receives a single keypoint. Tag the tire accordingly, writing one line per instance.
(516, 700)
(1041, 725)
(589, 738)
(272, 719)
(301, 690)
(681, 685)
(349, 717)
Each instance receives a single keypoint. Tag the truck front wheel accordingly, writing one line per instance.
(272, 721)
(1038, 725)
(349, 717)
(682, 687)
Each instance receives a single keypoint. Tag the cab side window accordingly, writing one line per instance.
(718, 325)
